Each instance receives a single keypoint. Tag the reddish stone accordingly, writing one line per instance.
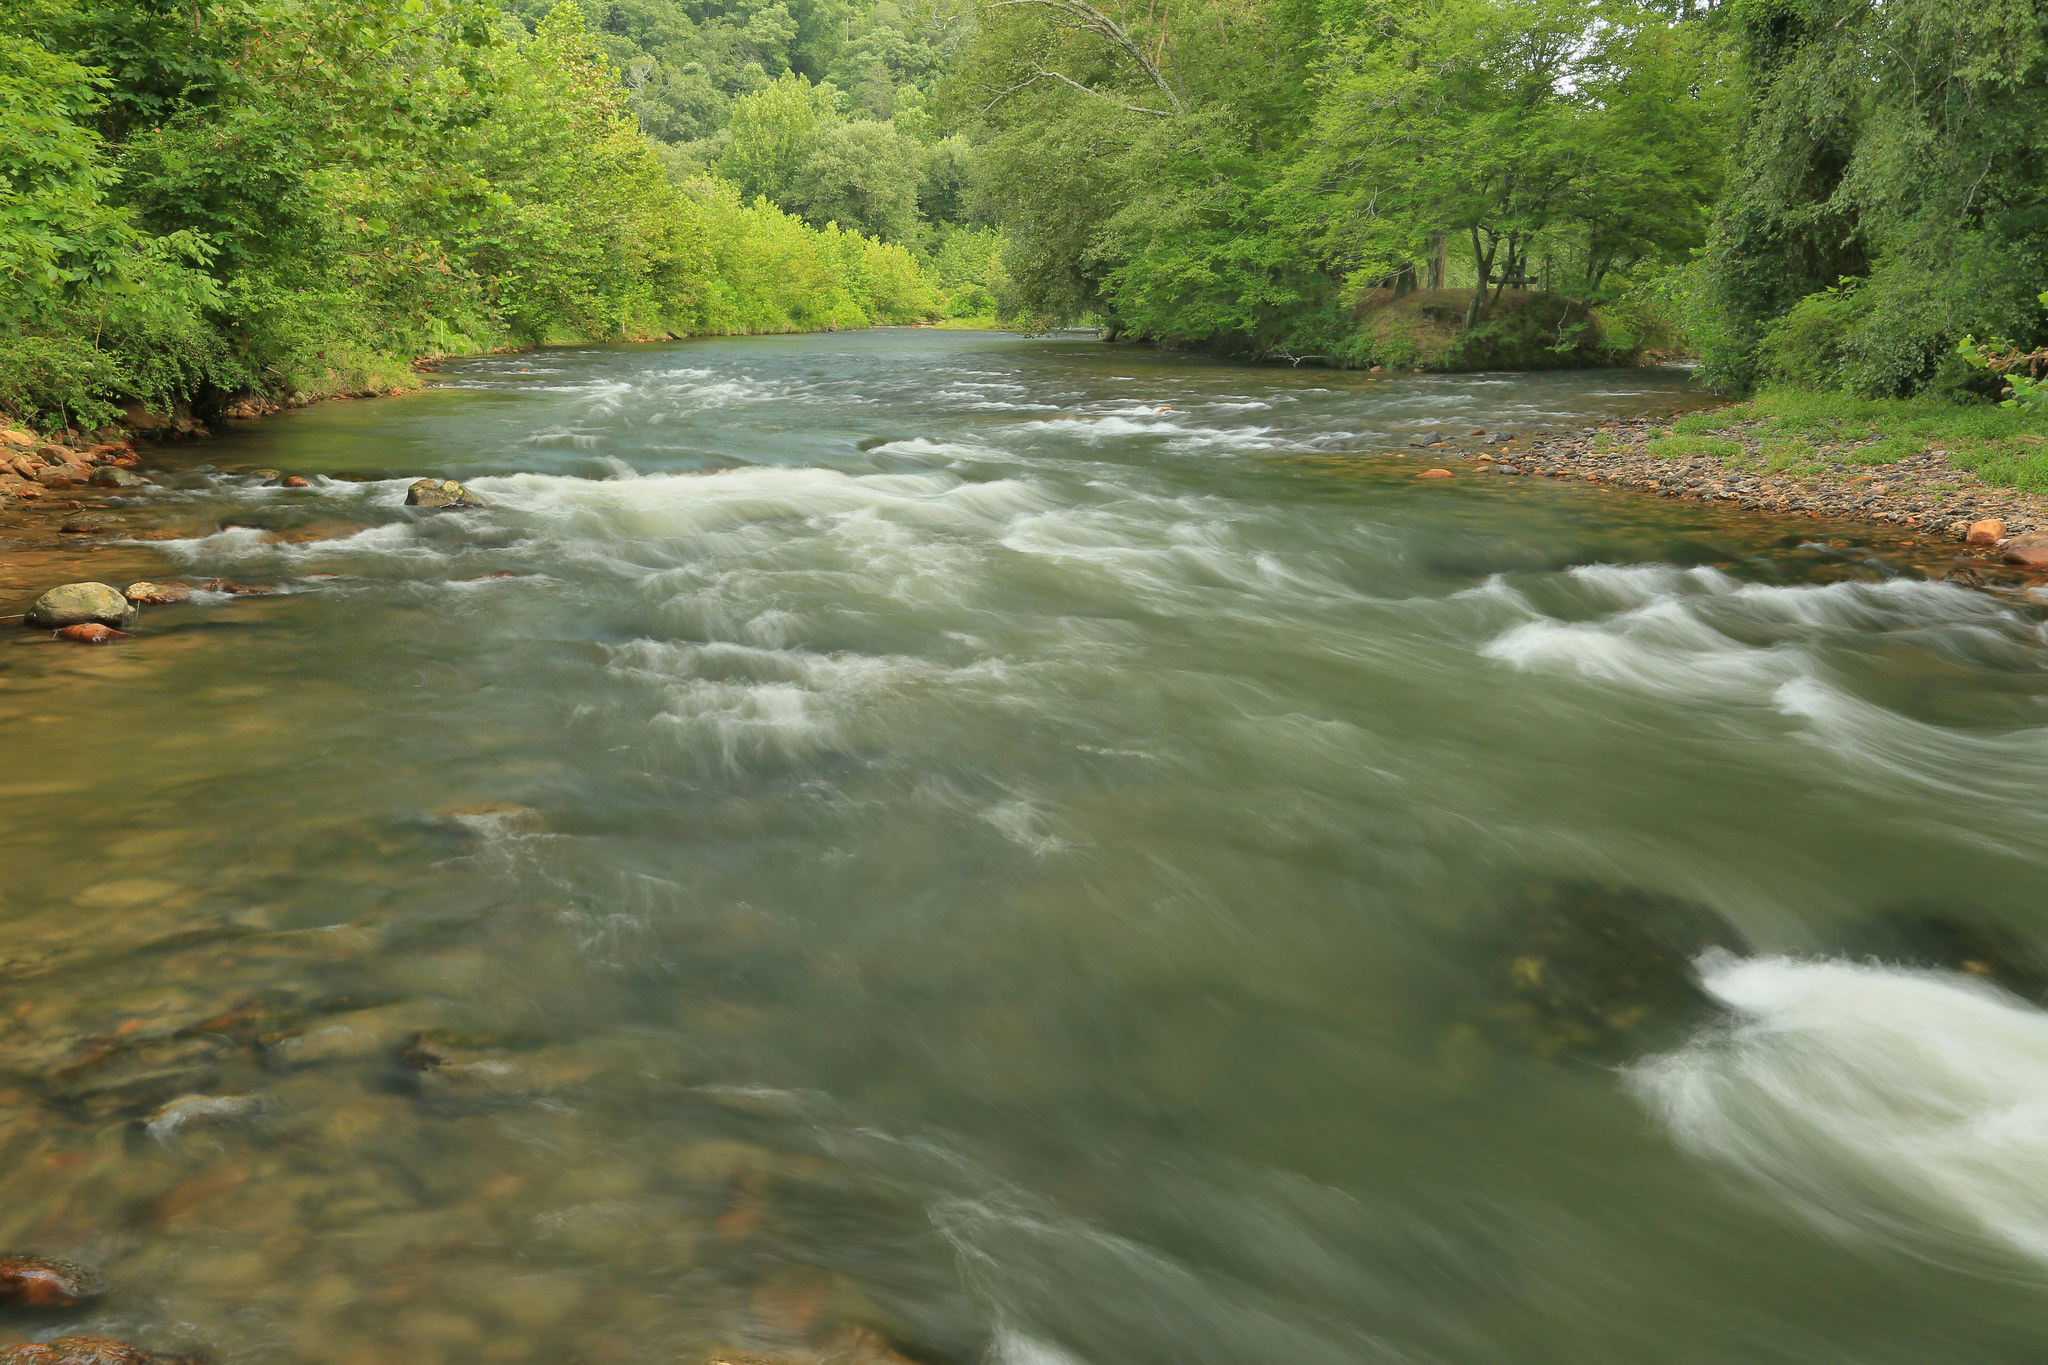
(1986, 532)
(2030, 549)
(84, 1350)
(39, 1282)
(1436, 474)
(89, 633)
(294, 481)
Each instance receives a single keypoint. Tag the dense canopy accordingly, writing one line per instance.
(296, 196)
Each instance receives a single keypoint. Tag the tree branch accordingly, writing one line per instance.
(1107, 28)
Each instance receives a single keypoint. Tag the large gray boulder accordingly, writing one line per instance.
(77, 603)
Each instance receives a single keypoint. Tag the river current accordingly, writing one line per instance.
(972, 848)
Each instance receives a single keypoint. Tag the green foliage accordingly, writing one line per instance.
(57, 230)
(1242, 174)
(1800, 428)
(1684, 447)
(307, 195)
(1898, 146)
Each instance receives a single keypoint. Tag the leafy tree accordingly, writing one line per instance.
(861, 175)
(773, 133)
(1901, 147)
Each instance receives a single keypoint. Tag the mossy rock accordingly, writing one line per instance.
(77, 603)
(1588, 969)
(1973, 945)
(440, 495)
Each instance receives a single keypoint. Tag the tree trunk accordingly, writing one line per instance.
(1482, 261)
(1439, 258)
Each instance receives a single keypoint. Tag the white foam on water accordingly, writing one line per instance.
(1702, 633)
(1883, 1105)
(1017, 1348)
(1119, 426)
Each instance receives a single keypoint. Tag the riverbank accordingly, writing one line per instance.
(1937, 469)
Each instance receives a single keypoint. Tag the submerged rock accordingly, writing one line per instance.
(113, 476)
(198, 1111)
(91, 633)
(1920, 936)
(1436, 474)
(87, 1350)
(442, 495)
(43, 1282)
(157, 594)
(1586, 968)
(848, 1346)
(294, 481)
(77, 603)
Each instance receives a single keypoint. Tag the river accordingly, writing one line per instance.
(968, 848)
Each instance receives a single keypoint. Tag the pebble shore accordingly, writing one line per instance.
(1924, 492)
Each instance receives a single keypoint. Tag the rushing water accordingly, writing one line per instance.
(1018, 848)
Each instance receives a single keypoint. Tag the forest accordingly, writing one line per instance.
(287, 198)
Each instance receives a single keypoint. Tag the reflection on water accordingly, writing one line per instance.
(961, 848)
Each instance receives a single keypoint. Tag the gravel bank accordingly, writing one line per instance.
(1923, 491)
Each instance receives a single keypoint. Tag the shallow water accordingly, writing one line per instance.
(1010, 846)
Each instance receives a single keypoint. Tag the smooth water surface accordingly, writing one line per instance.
(1007, 848)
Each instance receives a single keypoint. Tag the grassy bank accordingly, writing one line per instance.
(1803, 434)
(1523, 330)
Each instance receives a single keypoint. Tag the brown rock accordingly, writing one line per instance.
(2030, 549)
(151, 594)
(17, 438)
(294, 481)
(39, 1282)
(90, 633)
(1986, 532)
(1436, 474)
(62, 475)
(84, 1350)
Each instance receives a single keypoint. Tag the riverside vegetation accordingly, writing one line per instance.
(278, 198)
(273, 200)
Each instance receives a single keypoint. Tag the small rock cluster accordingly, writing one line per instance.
(31, 466)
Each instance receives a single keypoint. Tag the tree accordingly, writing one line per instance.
(1902, 148)
(773, 133)
(862, 175)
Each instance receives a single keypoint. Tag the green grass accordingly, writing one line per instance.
(2004, 446)
(1680, 447)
